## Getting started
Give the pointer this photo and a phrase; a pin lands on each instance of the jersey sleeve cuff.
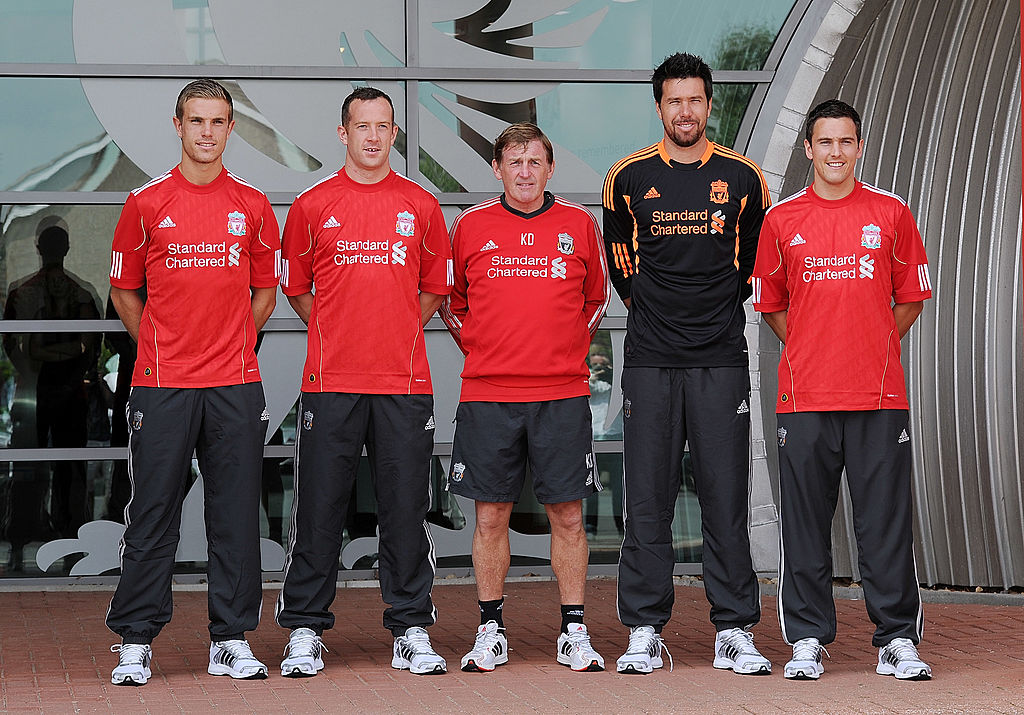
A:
(770, 307)
(293, 291)
(435, 288)
(127, 283)
(912, 297)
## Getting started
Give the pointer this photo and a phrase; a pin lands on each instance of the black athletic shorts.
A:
(495, 441)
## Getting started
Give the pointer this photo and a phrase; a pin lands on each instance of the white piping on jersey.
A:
(153, 182)
(888, 352)
(277, 264)
(595, 318)
(883, 192)
(797, 195)
(156, 352)
(326, 178)
(755, 285)
(116, 263)
(923, 278)
(284, 271)
(243, 182)
(486, 204)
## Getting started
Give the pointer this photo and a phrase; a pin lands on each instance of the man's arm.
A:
(128, 305)
(618, 233)
(906, 314)
(302, 304)
(777, 322)
(429, 303)
(263, 302)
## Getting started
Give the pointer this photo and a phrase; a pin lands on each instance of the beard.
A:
(685, 141)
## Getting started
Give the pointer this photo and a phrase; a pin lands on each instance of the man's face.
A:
(204, 128)
(524, 171)
(834, 151)
(684, 110)
(369, 134)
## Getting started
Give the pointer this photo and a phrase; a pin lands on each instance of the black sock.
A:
(571, 614)
(491, 611)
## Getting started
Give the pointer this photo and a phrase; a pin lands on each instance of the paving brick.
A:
(54, 657)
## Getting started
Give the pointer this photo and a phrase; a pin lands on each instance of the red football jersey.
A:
(529, 293)
(369, 250)
(837, 267)
(197, 249)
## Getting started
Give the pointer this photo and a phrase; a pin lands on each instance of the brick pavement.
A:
(54, 658)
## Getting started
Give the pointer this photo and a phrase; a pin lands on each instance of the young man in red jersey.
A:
(205, 245)
(531, 287)
(681, 219)
(841, 275)
(374, 246)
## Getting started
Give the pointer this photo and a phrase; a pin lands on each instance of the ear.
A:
(177, 127)
(860, 149)
(497, 169)
(807, 150)
(394, 133)
(342, 134)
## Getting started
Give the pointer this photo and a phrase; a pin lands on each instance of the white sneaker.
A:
(235, 658)
(899, 657)
(806, 663)
(575, 651)
(734, 648)
(489, 650)
(132, 664)
(303, 654)
(413, 651)
(644, 652)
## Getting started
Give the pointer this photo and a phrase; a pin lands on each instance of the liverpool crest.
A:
(720, 192)
(871, 236)
(405, 225)
(566, 244)
(236, 223)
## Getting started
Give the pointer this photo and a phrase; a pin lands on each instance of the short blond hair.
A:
(203, 89)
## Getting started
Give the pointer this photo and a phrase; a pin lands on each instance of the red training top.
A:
(369, 249)
(197, 249)
(530, 291)
(837, 267)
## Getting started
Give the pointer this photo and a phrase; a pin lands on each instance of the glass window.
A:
(591, 125)
(589, 34)
(38, 31)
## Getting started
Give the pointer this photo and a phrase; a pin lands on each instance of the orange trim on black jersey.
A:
(618, 166)
(731, 154)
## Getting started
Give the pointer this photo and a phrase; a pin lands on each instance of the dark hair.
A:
(364, 94)
(203, 89)
(681, 65)
(521, 134)
(831, 109)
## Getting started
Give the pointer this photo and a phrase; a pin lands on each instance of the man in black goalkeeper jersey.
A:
(681, 220)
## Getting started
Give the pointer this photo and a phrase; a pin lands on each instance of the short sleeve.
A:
(265, 250)
(436, 255)
(768, 280)
(128, 252)
(297, 252)
(911, 281)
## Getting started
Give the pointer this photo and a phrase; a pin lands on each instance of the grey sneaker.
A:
(132, 664)
(303, 654)
(734, 649)
(490, 649)
(235, 658)
(413, 651)
(575, 650)
(644, 651)
(806, 662)
(899, 658)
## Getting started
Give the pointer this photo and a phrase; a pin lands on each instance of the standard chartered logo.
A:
(398, 253)
(867, 267)
(234, 253)
(838, 268)
(558, 268)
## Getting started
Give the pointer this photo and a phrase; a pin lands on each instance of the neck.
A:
(834, 192)
(199, 174)
(686, 154)
(366, 176)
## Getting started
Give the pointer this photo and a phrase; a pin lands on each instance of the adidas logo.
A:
(652, 193)
(166, 223)
(743, 408)
(797, 240)
(265, 417)
(904, 437)
(430, 424)
(332, 223)
(489, 246)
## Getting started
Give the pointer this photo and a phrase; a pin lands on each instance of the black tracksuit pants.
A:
(398, 432)
(226, 427)
(874, 446)
(663, 409)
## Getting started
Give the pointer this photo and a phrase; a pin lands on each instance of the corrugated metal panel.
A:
(938, 85)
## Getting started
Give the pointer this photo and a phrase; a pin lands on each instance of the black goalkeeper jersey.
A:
(681, 242)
